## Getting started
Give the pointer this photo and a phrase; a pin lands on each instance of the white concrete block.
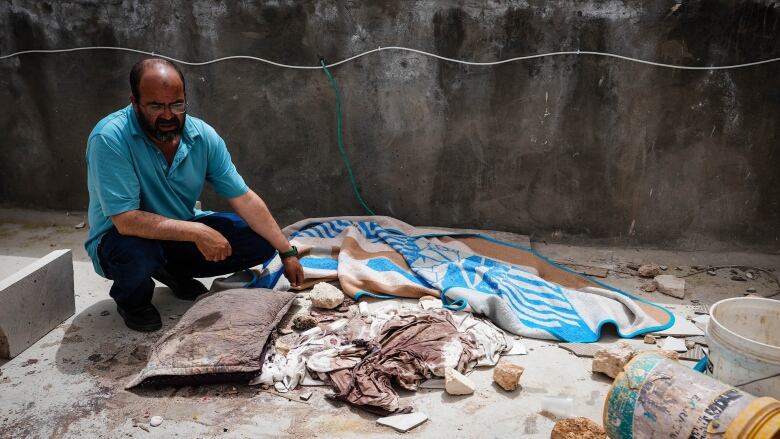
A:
(34, 300)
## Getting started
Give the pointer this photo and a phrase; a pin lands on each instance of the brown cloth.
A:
(407, 351)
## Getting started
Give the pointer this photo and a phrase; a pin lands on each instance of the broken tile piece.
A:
(280, 387)
(507, 375)
(577, 428)
(455, 383)
(582, 349)
(674, 344)
(610, 361)
(432, 384)
(403, 423)
(670, 285)
(517, 349)
(306, 396)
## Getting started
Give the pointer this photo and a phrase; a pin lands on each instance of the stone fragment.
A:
(649, 287)
(282, 348)
(455, 383)
(155, 421)
(649, 339)
(577, 428)
(670, 285)
(750, 275)
(507, 375)
(712, 272)
(689, 344)
(80, 225)
(306, 396)
(663, 267)
(632, 266)
(403, 423)
(280, 387)
(649, 270)
(610, 361)
(738, 278)
(325, 295)
(304, 322)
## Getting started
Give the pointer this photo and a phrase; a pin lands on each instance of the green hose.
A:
(341, 145)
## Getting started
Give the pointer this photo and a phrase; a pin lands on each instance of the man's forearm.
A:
(252, 209)
(152, 226)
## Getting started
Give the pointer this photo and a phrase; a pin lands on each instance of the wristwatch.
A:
(289, 253)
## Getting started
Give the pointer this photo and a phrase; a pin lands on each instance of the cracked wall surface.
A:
(578, 145)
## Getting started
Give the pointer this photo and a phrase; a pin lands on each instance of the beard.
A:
(153, 129)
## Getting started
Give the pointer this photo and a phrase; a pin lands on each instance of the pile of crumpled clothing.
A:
(362, 357)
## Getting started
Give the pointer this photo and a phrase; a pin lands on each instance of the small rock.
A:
(751, 290)
(663, 267)
(282, 348)
(280, 387)
(689, 344)
(750, 275)
(304, 322)
(455, 383)
(649, 339)
(363, 309)
(80, 225)
(507, 375)
(105, 313)
(325, 295)
(155, 421)
(712, 272)
(284, 331)
(306, 396)
(678, 268)
(632, 266)
(738, 278)
(577, 428)
(670, 285)
(610, 361)
(649, 270)
(733, 271)
(403, 423)
(698, 267)
(649, 287)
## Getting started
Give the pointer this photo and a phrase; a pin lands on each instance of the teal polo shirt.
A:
(126, 171)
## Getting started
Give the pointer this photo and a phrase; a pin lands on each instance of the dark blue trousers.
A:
(130, 261)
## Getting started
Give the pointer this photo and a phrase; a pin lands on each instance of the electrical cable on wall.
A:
(332, 81)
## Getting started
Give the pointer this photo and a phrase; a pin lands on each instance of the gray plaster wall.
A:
(576, 145)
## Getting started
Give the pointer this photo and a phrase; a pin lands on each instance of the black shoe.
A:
(183, 288)
(144, 318)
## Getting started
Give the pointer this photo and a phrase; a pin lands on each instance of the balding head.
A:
(158, 69)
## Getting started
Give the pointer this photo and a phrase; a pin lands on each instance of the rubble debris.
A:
(304, 322)
(432, 384)
(363, 309)
(280, 387)
(610, 361)
(674, 344)
(577, 428)
(698, 267)
(507, 375)
(750, 275)
(689, 344)
(455, 383)
(649, 270)
(649, 339)
(403, 423)
(712, 272)
(325, 295)
(632, 266)
(582, 349)
(284, 331)
(80, 225)
(155, 421)
(738, 278)
(306, 396)
(663, 267)
(649, 287)
(282, 348)
(670, 285)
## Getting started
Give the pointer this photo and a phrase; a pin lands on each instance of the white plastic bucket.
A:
(744, 344)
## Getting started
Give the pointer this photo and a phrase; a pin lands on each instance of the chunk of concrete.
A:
(455, 383)
(649, 339)
(577, 428)
(670, 285)
(34, 300)
(325, 295)
(507, 375)
(610, 361)
(403, 423)
(649, 270)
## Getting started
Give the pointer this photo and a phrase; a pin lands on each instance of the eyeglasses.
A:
(176, 107)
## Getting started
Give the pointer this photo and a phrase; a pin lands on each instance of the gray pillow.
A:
(221, 338)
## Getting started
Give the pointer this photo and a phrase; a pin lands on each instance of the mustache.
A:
(173, 121)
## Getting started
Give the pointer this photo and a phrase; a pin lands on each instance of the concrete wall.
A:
(582, 145)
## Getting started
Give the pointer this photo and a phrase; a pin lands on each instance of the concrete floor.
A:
(70, 383)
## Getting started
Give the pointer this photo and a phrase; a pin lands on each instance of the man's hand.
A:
(293, 271)
(213, 245)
